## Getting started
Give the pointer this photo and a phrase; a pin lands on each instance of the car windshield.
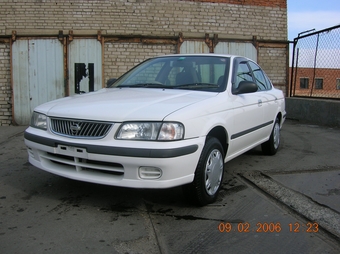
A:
(203, 73)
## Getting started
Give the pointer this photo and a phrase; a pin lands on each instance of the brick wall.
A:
(269, 3)
(120, 57)
(230, 19)
(5, 85)
(147, 17)
(329, 77)
(272, 60)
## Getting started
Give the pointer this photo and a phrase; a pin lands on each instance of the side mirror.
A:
(246, 87)
(110, 82)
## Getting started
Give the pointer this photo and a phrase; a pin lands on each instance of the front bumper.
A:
(117, 163)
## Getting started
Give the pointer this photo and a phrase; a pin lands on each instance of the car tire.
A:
(272, 145)
(208, 175)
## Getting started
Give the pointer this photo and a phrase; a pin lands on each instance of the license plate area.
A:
(72, 151)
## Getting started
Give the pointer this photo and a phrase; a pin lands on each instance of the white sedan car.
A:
(170, 121)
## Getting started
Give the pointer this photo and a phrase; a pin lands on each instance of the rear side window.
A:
(261, 80)
(243, 73)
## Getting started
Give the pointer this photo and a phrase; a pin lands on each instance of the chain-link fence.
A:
(315, 69)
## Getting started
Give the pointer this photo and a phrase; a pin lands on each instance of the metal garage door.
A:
(232, 48)
(85, 65)
(237, 48)
(38, 77)
(192, 47)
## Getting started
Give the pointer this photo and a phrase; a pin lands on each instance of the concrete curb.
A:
(326, 218)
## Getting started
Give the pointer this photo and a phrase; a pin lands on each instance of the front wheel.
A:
(208, 175)
(272, 145)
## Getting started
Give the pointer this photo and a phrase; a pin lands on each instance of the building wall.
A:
(264, 22)
(265, 19)
(331, 81)
(5, 85)
(273, 61)
(120, 57)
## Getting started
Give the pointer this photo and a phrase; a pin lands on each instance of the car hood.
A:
(125, 104)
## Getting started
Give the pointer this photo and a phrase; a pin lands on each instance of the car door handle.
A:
(259, 102)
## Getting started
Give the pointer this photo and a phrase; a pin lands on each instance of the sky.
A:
(304, 15)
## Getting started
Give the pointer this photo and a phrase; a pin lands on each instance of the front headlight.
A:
(39, 121)
(171, 131)
(151, 131)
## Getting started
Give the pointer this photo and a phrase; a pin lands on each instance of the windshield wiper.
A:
(146, 85)
(191, 86)
(196, 86)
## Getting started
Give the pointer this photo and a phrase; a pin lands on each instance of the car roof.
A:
(203, 54)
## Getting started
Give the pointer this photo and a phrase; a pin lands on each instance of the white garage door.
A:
(192, 47)
(229, 48)
(38, 75)
(85, 66)
(237, 48)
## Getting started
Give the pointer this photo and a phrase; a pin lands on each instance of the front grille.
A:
(80, 128)
(84, 165)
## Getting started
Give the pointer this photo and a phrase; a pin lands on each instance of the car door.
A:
(267, 96)
(248, 111)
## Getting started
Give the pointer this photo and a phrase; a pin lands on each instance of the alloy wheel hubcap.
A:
(276, 135)
(213, 172)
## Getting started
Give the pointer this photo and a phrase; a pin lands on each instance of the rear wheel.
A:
(208, 175)
(272, 145)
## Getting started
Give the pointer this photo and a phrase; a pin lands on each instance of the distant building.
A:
(317, 82)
